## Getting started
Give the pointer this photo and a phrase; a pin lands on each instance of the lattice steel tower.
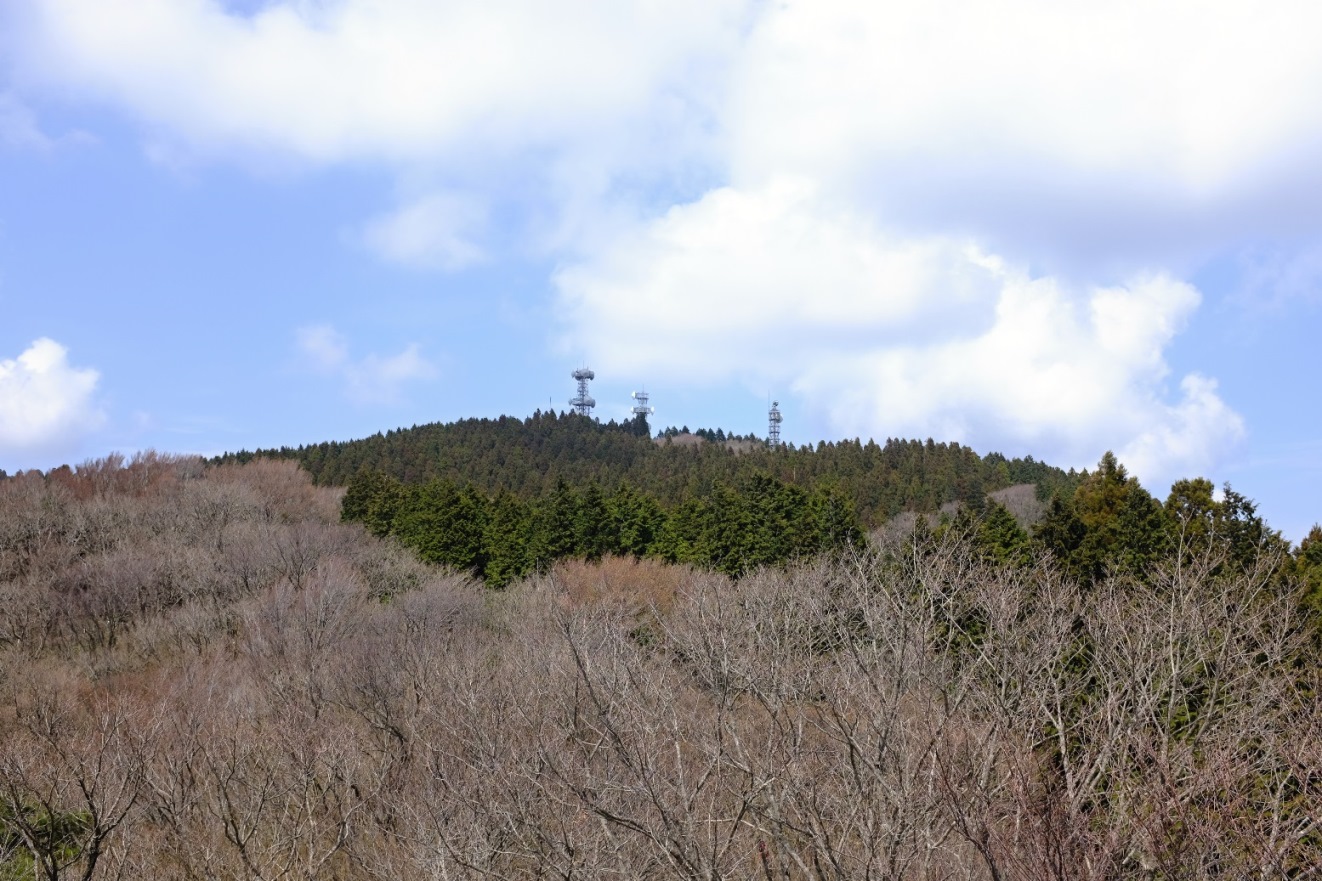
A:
(583, 402)
(773, 425)
(640, 407)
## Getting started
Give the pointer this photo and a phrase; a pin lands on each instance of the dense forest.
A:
(228, 670)
(758, 522)
(527, 458)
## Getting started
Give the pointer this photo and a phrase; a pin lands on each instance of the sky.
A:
(1032, 227)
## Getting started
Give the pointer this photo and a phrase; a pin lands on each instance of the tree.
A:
(444, 524)
(1112, 525)
(636, 521)
(1308, 563)
(834, 520)
(505, 540)
(373, 499)
(1000, 537)
(554, 522)
(593, 536)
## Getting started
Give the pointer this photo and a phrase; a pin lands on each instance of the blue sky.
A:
(1023, 226)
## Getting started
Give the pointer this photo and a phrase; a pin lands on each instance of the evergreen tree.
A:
(1060, 532)
(636, 521)
(1308, 566)
(506, 540)
(682, 533)
(555, 517)
(593, 534)
(444, 524)
(1228, 528)
(834, 521)
(373, 499)
(1124, 526)
(726, 540)
(1001, 539)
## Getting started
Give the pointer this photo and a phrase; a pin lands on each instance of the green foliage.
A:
(1124, 525)
(1308, 566)
(39, 842)
(1000, 538)
(760, 522)
(529, 457)
(373, 499)
(1228, 528)
(444, 524)
(1112, 526)
(505, 540)
(636, 521)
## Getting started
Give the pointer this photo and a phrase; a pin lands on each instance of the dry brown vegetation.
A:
(204, 676)
(1022, 501)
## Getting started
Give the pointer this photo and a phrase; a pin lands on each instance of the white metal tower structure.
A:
(773, 425)
(583, 402)
(640, 407)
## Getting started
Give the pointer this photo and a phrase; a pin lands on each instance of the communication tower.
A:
(583, 402)
(640, 407)
(773, 425)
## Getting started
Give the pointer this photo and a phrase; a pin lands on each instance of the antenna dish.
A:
(583, 402)
(641, 408)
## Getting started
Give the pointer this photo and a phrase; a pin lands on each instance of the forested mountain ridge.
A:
(502, 498)
(528, 457)
(204, 673)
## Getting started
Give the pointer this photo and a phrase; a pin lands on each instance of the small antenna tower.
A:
(583, 402)
(773, 425)
(640, 407)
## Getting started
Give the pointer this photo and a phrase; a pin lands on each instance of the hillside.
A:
(205, 674)
(528, 457)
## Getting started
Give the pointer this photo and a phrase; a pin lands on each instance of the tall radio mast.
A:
(640, 407)
(583, 402)
(773, 425)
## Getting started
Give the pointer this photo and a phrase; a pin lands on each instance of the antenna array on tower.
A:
(640, 407)
(773, 425)
(583, 402)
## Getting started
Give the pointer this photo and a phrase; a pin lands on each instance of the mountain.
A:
(528, 457)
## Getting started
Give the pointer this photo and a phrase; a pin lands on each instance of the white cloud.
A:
(1043, 125)
(874, 180)
(393, 78)
(1130, 134)
(895, 336)
(325, 348)
(430, 232)
(46, 404)
(372, 379)
(1187, 436)
(720, 284)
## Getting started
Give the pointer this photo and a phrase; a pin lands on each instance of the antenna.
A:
(773, 425)
(583, 402)
(640, 408)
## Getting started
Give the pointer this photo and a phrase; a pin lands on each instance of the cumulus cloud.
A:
(1081, 138)
(969, 221)
(431, 232)
(396, 78)
(372, 379)
(46, 404)
(1129, 128)
(897, 336)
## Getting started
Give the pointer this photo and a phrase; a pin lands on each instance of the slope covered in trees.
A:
(527, 458)
(759, 521)
(204, 674)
